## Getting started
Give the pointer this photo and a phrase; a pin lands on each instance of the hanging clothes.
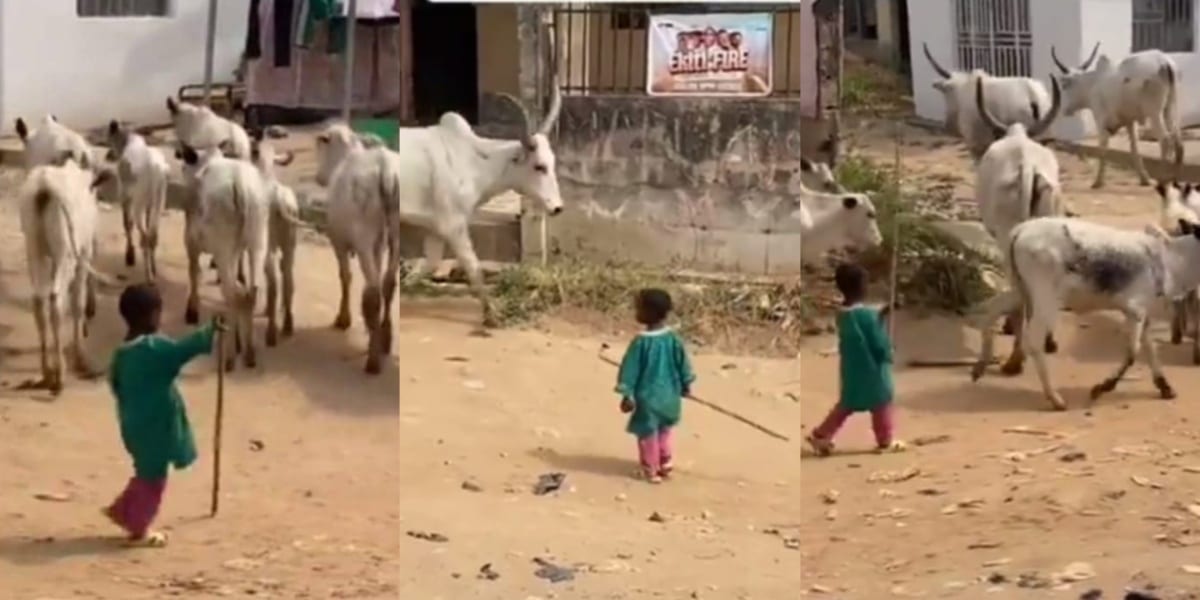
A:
(316, 14)
(253, 47)
(283, 25)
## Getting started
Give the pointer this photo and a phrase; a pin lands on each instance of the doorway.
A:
(445, 61)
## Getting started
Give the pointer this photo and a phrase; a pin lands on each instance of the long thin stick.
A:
(209, 42)
(722, 410)
(895, 242)
(216, 480)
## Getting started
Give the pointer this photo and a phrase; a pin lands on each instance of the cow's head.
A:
(118, 138)
(950, 85)
(194, 161)
(1079, 83)
(860, 229)
(532, 170)
(816, 175)
(46, 144)
(1036, 130)
(333, 145)
(186, 117)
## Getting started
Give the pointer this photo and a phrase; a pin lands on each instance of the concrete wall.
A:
(87, 71)
(700, 182)
(499, 58)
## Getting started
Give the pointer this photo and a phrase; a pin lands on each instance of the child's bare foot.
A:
(821, 446)
(152, 539)
(894, 446)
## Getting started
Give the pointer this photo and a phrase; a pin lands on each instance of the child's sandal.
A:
(152, 539)
(821, 447)
(895, 446)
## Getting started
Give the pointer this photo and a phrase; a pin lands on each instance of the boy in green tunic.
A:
(865, 369)
(654, 376)
(152, 415)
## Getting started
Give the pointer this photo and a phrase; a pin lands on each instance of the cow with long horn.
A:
(1141, 88)
(1016, 180)
(1010, 99)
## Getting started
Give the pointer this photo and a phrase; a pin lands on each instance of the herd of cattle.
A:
(246, 219)
(1053, 259)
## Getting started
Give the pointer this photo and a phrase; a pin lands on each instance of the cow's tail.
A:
(389, 198)
(1027, 192)
(1170, 76)
(45, 200)
(1014, 273)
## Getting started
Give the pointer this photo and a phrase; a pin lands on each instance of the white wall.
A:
(930, 22)
(87, 71)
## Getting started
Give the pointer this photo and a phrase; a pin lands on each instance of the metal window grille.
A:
(603, 47)
(994, 35)
(1166, 25)
(123, 8)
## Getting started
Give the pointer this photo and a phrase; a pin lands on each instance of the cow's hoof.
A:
(191, 316)
(342, 321)
(288, 329)
(1196, 356)
(1102, 388)
(1097, 184)
(1144, 182)
(272, 336)
(385, 338)
(1007, 328)
(1057, 402)
(374, 365)
(230, 364)
(1051, 346)
(250, 361)
(978, 370)
(129, 260)
(1012, 368)
(1165, 391)
(1176, 337)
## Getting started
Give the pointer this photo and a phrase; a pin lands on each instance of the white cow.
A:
(1016, 180)
(144, 174)
(1179, 208)
(815, 175)
(46, 144)
(202, 129)
(58, 214)
(228, 218)
(283, 232)
(1010, 99)
(1057, 261)
(1142, 87)
(831, 221)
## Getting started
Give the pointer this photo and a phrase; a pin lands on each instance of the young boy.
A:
(655, 374)
(865, 369)
(153, 417)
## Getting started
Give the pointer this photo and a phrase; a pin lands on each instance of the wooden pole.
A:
(216, 480)
(209, 43)
(348, 76)
(898, 135)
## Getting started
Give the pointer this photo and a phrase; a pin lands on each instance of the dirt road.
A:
(1113, 486)
(310, 445)
(481, 419)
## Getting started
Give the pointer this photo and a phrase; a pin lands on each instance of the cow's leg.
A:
(1010, 323)
(435, 251)
(39, 316)
(1139, 165)
(192, 315)
(271, 277)
(1178, 320)
(287, 264)
(1043, 309)
(1166, 140)
(1102, 143)
(1051, 346)
(368, 262)
(55, 382)
(127, 222)
(1191, 315)
(342, 254)
(1134, 325)
(390, 282)
(1004, 303)
(1160, 380)
(460, 243)
(1015, 364)
(89, 308)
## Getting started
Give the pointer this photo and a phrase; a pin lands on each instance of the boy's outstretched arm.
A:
(176, 353)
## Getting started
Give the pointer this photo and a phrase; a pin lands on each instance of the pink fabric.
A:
(314, 79)
(882, 423)
(654, 451)
(137, 505)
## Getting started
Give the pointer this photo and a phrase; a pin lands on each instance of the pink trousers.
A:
(137, 505)
(654, 451)
(882, 422)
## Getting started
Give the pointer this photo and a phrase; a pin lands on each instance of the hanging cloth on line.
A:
(331, 14)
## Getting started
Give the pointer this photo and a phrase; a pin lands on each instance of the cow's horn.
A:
(1058, 63)
(1087, 64)
(981, 107)
(1055, 103)
(933, 63)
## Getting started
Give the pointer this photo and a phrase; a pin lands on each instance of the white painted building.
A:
(87, 61)
(1013, 37)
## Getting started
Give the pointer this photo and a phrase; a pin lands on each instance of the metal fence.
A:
(1166, 25)
(603, 47)
(994, 35)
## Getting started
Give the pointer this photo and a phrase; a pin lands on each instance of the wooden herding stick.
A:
(724, 411)
(216, 480)
(895, 240)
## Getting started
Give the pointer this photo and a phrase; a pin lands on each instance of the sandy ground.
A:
(494, 414)
(310, 475)
(997, 513)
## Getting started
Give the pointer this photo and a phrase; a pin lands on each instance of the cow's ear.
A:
(189, 156)
(849, 202)
(22, 129)
(1161, 188)
(1185, 227)
(807, 166)
(1196, 230)
(101, 178)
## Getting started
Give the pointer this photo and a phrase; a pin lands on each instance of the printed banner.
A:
(715, 54)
